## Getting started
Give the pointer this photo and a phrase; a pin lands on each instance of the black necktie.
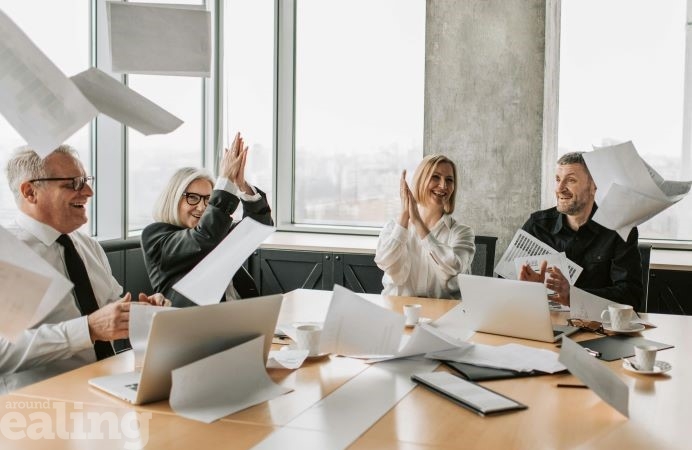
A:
(82, 290)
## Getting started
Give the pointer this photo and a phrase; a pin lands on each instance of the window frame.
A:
(551, 113)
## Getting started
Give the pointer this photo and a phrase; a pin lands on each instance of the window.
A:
(622, 77)
(152, 160)
(359, 87)
(248, 86)
(68, 48)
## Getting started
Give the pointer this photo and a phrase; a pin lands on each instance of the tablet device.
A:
(472, 396)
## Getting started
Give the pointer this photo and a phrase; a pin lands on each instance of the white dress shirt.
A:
(425, 267)
(61, 341)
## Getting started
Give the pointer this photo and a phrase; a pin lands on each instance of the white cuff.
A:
(225, 184)
(77, 331)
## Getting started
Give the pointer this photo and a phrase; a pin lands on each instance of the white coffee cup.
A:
(308, 338)
(619, 316)
(412, 314)
(645, 357)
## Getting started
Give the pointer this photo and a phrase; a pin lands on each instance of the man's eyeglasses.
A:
(193, 199)
(587, 325)
(78, 183)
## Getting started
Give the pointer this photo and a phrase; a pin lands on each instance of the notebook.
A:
(509, 308)
(182, 336)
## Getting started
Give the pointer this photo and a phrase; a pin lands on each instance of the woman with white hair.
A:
(193, 215)
(423, 251)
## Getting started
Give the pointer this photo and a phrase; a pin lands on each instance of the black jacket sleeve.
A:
(171, 251)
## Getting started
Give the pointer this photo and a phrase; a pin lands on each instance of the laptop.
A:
(509, 308)
(182, 336)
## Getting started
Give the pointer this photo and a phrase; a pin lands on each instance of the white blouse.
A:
(425, 267)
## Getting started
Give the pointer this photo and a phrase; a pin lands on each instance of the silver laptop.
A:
(509, 308)
(182, 336)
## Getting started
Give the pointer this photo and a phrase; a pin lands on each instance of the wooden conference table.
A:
(660, 406)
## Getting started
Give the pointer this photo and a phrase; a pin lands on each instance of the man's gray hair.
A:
(26, 164)
(166, 207)
(572, 158)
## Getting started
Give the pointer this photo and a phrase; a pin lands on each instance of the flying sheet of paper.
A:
(515, 357)
(587, 306)
(36, 98)
(522, 245)
(453, 323)
(141, 317)
(159, 39)
(356, 327)
(21, 293)
(286, 358)
(596, 375)
(424, 339)
(27, 271)
(207, 281)
(630, 192)
(234, 379)
(121, 103)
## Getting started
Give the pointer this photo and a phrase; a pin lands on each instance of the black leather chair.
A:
(645, 253)
(484, 259)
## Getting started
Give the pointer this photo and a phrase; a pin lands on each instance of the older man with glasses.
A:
(52, 195)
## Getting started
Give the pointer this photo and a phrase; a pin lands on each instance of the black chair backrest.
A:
(484, 259)
(645, 253)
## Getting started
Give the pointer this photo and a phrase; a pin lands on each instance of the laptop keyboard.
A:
(132, 386)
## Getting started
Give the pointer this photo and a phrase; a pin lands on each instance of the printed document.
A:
(524, 245)
(630, 192)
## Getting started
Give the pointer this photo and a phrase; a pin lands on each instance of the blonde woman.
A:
(193, 216)
(423, 251)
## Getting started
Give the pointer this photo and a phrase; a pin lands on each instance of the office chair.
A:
(484, 260)
(645, 253)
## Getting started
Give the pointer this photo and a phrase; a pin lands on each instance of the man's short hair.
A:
(573, 158)
(166, 207)
(26, 164)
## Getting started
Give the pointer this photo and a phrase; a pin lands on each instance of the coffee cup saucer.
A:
(634, 328)
(660, 367)
(420, 320)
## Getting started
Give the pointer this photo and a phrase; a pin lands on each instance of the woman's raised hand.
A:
(233, 163)
(404, 194)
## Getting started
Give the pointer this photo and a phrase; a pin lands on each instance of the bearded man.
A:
(612, 267)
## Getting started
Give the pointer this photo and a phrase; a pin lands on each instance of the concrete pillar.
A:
(484, 103)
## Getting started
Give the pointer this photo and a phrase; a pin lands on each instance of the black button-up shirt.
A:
(612, 267)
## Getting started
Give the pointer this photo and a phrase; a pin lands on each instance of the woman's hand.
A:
(404, 193)
(233, 164)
